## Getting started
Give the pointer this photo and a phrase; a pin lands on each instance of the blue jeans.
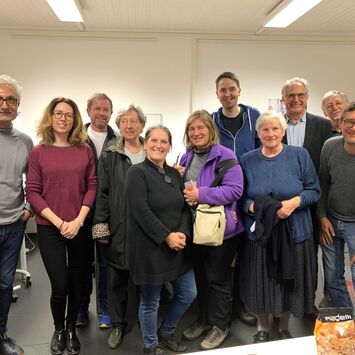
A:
(184, 293)
(333, 262)
(11, 237)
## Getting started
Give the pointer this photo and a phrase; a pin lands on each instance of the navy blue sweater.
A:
(291, 173)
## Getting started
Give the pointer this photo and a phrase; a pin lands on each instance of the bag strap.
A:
(221, 169)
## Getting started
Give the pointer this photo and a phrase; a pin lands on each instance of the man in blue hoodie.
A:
(235, 122)
(236, 126)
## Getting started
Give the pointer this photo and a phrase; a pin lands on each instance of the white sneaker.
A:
(195, 331)
(214, 338)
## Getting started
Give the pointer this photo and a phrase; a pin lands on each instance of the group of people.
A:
(88, 183)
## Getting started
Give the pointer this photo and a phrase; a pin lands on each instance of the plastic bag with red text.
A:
(335, 331)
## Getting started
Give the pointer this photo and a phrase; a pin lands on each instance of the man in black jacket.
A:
(305, 130)
(101, 135)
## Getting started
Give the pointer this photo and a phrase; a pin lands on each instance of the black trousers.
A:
(117, 292)
(237, 300)
(316, 236)
(65, 261)
(213, 273)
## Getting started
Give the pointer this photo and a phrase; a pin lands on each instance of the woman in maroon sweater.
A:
(61, 187)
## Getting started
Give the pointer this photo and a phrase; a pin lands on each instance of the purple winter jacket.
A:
(229, 191)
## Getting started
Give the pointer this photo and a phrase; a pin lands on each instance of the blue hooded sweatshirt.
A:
(246, 138)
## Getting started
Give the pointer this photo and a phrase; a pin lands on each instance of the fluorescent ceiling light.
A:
(290, 13)
(66, 10)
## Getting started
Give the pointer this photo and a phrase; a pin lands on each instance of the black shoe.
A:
(261, 336)
(157, 350)
(58, 342)
(284, 334)
(169, 342)
(72, 342)
(8, 346)
(246, 317)
(115, 338)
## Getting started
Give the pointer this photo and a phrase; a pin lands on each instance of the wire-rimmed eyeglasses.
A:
(300, 95)
(166, 177)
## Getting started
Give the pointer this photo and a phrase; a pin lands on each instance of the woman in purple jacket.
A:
(213, 270)
(61, 187)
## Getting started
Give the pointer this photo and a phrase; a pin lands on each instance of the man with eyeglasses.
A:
(306, 130)
(336, 208)
(101, 135)
(303, 128)
(15, 147)
(333, 104)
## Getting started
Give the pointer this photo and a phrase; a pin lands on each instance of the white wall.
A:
(163, 74)
(264, 67)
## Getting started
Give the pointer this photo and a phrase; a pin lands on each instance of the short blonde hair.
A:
(206, 118)
(76, 135)
(268, 116)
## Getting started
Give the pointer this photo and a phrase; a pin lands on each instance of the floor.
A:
(30, 321)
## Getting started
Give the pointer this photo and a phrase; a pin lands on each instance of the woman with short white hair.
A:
(280, 184)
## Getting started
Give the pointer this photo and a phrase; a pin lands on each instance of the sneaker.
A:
(115, 338)
(82, 319)
(214, 338)
(104, 320)
(8, 346)
(157, 350)
(195, 331)
(169, 342)
(246, 317)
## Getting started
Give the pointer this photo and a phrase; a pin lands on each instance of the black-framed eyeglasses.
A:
(67, 115)
(166, 177)
(348, 123)
(10, 100)
(300, 95)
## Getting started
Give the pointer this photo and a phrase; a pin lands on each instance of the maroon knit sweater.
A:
(61, 178)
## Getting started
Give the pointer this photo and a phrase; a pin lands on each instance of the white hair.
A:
(7, 80)
(270, 116)
(295, 81)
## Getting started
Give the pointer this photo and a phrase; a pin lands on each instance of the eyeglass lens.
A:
(10, 100)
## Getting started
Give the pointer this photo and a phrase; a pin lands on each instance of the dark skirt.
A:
(263, 294)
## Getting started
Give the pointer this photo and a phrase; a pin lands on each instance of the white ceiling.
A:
(329, 20)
